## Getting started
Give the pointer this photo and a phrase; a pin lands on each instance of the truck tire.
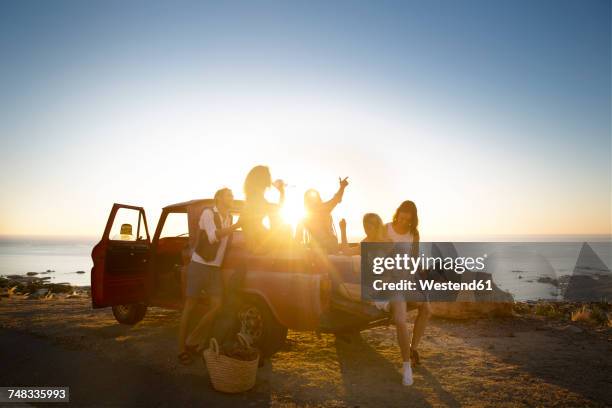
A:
(259, 325)
(129, 314)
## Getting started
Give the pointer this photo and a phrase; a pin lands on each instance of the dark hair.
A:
(409, 207)
(220, 192)
(256, 182)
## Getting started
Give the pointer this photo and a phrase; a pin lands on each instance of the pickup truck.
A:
(297, 290)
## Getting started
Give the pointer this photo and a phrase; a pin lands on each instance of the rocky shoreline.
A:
(33, 286)
(588, 314)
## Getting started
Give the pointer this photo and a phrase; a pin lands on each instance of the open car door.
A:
(121, 259)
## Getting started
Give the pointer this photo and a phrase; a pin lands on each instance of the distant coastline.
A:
(93, 239)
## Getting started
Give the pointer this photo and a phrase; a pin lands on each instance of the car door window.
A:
(128, 225)
(175, 225)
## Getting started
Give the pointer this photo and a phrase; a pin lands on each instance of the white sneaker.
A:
(407, 374)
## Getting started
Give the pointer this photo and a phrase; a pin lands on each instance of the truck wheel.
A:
(259, 324)
(129, 314)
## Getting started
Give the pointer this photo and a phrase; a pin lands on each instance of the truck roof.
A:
(205, 202)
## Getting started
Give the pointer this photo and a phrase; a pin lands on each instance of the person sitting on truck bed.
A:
(258, 238)
(374, 229)
(349, 280)
(317, 225)
(215, 230)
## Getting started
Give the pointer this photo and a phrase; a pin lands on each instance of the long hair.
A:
(373, 218)
(256, 182)
(311, 199)
(409, 207)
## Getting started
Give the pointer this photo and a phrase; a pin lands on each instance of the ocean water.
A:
(63, 256)
(526, 259)
(535, 270)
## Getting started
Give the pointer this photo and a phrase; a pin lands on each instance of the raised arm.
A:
(337, 198)
(343, 239)
(344, 246)
(280, 186)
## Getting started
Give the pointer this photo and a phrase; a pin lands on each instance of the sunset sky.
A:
(493, 116)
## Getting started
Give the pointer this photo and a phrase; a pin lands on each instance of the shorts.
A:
(203, 277)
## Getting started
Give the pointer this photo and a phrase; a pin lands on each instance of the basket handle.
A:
(214, 346)
(243, 340)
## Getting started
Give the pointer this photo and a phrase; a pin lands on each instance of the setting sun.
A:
(292, 213)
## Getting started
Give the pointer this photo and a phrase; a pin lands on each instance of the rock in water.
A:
(549, 280)
(591, 280)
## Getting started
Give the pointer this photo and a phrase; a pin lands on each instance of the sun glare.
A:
(292, 212)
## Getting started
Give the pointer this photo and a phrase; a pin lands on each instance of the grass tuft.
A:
(582, 315)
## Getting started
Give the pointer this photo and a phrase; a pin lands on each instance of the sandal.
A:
(185, 358)
(193, 350)
(414, 357)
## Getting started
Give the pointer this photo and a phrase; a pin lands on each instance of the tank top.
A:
(395, 237)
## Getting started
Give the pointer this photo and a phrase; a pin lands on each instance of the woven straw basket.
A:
(229, 374)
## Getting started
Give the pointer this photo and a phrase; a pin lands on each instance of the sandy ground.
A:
(523, 361)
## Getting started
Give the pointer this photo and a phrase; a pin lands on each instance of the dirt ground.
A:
(522, 361)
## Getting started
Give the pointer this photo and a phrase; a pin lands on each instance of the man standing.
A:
(204, 271)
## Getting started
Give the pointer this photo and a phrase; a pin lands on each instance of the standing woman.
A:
(404, 228)
(258, 237)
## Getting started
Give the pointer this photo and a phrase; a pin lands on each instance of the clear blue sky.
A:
(494, 116)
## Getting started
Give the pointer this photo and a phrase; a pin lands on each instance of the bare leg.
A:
(197, 335)
(419, 324)
(398, 310)
(190, 304)
(403, 339)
